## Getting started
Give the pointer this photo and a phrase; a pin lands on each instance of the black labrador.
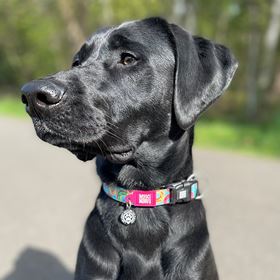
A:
(131, 100)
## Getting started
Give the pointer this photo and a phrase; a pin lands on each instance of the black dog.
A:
(131, 99)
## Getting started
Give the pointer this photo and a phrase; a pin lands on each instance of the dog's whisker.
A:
(99, 148)
(110, 120)
(106, 146)
(114, 135)
(112, 125)
(113, 130)
(105, 101)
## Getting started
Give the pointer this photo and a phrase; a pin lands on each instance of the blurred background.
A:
(39, 37)
(45, 193)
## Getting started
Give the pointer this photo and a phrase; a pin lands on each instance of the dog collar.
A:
(183, 191)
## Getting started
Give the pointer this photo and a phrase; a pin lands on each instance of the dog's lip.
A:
(120, 156)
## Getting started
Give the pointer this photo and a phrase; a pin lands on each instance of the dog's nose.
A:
(42, 94)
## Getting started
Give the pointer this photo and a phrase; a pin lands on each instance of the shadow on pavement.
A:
(34, 264)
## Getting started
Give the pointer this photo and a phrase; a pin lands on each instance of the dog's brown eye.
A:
(127, 58)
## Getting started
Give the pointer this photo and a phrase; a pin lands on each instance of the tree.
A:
(74, 30)
(184, 14)
(254, 39)
(271, 40)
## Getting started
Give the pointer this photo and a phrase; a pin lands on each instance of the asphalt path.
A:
(46, 195)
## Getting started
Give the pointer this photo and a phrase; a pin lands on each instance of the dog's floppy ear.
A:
(203, 71)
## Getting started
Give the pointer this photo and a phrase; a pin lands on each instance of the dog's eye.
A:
(127, 58)
(76, 62)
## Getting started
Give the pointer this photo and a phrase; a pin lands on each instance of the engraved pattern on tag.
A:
(128, 217)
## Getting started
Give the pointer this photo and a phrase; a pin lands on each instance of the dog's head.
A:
(129, 86)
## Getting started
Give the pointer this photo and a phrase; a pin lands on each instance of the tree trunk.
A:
(75, 32)
(271, 41)
(274, 97)
(184, 13)
(252, 63)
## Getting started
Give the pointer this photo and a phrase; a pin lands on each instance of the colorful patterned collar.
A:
(183, 191)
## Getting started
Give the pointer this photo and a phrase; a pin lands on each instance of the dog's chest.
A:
(146, 235)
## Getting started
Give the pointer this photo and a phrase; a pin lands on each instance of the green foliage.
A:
(33, 33)
(28, 47)
(34, 40)
(135, 9)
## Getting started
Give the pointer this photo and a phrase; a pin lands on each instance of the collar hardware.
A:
(184, 191)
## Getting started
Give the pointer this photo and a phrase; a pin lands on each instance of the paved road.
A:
(46, 194)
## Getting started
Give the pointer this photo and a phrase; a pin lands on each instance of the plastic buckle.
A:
(181, 192)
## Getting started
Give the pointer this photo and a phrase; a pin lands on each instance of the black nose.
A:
(42, 94)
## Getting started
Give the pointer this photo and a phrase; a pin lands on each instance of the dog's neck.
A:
(156, 163)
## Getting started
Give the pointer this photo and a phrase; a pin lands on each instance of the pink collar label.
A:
(142, 198)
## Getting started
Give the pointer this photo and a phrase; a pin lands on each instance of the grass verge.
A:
(247, 138)
(11, 106)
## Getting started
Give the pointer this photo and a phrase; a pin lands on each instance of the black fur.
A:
(137, 119)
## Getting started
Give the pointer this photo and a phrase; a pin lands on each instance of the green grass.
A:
(247, 138)
(10, 106)
(241, 137)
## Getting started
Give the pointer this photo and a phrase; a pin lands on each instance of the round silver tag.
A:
(128, 217)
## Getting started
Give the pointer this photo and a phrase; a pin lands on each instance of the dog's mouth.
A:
(119, 156)
(83, 154)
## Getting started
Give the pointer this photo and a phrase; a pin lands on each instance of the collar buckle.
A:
(183, 191)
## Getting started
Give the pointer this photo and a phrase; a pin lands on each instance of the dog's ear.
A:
(203, 71)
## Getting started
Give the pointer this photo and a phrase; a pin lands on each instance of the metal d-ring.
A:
(128, 204)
